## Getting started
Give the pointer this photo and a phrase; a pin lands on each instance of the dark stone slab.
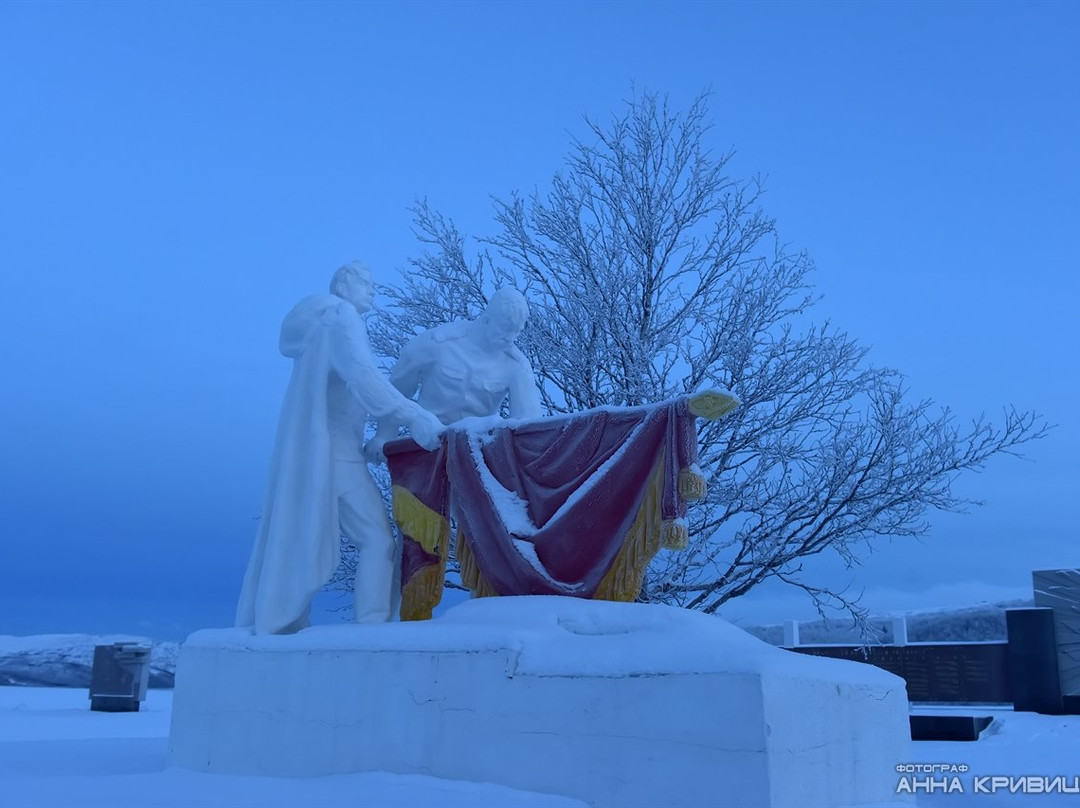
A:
(1033, 661)
(948, 727)
(119, 677)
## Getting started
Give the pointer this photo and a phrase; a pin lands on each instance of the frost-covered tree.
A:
(651, 272)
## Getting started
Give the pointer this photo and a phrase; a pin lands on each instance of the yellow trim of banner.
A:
(471, 576)
(423, 591)
(416, 520)
(623, 581)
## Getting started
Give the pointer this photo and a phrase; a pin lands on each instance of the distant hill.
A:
(65, 660)
(982, 623)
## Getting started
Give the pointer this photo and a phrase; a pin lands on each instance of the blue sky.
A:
(176, 175)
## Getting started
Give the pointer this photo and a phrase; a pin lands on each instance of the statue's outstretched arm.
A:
(351, 357)
(405, 377)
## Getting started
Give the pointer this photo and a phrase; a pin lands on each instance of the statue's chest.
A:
(473, 372)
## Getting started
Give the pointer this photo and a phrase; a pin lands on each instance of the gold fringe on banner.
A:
(423, 591)
(623, 581)
(471, 577)
(691, 485)
(417, 521)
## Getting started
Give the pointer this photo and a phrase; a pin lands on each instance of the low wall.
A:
(936, 672)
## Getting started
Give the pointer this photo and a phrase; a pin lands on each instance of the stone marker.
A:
(1033, 674)
(119, 677)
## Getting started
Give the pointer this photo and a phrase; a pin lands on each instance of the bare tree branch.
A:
(650, 273)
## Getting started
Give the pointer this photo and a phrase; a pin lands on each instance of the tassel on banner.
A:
(675, 535)
(692, 485)
(712, 404)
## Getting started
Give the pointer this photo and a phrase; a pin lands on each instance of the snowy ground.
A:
(54, 752)
(1015, 745)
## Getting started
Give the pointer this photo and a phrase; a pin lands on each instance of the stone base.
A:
(615, 704)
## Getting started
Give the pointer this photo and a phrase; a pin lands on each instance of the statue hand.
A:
(373, 451)
(426, 430)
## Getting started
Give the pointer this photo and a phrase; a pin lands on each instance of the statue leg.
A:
(365, 523)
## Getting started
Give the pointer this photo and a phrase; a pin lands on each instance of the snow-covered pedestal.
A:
(615, 704)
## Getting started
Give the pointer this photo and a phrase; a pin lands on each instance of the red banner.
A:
(571, 505)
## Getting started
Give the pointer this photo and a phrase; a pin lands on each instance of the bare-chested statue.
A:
(467, 368)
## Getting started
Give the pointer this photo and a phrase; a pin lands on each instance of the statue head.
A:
(353, 282)
(504, 317)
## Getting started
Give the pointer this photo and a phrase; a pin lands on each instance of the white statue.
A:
(467, 368)
(320, 487)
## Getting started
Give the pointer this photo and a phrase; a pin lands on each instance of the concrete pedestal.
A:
(615, 704)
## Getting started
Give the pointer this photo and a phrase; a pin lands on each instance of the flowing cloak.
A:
(297, 547)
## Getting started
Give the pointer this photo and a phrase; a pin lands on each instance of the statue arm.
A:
(351, 358)
(405, 377)
(414, 358)
(524, 394)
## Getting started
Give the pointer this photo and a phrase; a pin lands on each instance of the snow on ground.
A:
(56, 753)
(1014, 746)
